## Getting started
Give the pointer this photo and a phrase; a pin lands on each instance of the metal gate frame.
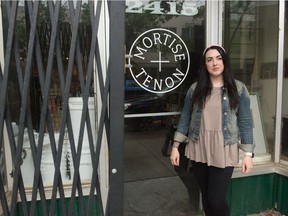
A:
(117, 69)
(111, 117)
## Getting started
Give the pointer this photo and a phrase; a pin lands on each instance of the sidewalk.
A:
(151, 185)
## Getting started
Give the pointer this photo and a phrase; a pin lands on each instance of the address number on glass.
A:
(174, 8)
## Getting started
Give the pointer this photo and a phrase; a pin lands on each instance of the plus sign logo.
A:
(159, 60)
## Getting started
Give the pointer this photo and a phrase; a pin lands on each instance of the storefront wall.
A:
(254, 35)
(251, 32)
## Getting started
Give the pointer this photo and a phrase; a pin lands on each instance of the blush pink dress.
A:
(210, 146)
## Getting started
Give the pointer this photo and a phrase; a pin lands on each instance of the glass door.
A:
(164, 43)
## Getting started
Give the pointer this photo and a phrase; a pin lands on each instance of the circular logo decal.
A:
(159, 60)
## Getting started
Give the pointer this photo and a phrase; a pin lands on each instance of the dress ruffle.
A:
(210, 146)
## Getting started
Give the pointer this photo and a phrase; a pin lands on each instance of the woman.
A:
(215, 122)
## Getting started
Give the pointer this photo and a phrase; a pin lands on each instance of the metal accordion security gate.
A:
(61, 107)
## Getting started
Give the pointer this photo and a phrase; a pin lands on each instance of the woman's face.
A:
(214, 63)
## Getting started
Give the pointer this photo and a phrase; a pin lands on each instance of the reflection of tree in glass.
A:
(237, 11)
(44, 15)
(44, 28)
(138, 23)
(85, 14)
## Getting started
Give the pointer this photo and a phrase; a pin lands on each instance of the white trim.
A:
(278, 124)
(151, 114)
(214, 10)
(268, 168)
(262, 164)
(103, 35)
(257, 170)
(281, 169)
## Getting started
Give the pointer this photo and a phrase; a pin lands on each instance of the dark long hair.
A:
(204, 85)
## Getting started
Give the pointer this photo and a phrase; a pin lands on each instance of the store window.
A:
(164, 41)
(284, 138)
(175, 24)
(62, 70)
(248, 38)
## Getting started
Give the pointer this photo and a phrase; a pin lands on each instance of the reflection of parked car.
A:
(146, 104)
(140, 101)
(143, 102)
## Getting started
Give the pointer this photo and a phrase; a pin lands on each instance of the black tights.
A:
(213, 183)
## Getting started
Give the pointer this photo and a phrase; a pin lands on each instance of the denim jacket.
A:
(236, 124)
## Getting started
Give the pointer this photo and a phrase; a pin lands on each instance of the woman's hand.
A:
(175, 156)
(247, 164)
